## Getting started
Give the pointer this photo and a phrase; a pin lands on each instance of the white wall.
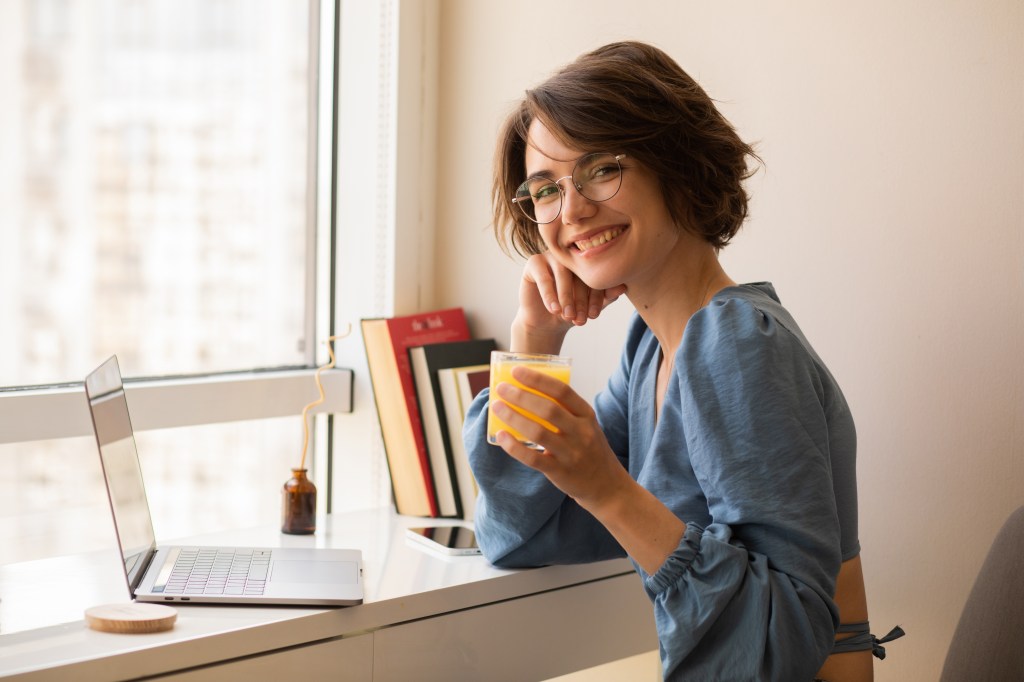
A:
(890, 219)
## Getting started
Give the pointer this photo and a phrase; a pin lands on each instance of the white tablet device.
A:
(452, 540)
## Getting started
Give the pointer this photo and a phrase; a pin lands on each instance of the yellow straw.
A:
(320, 388)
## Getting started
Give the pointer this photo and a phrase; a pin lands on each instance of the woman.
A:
(721, 456)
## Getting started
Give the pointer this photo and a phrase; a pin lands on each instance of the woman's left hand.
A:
(577, 459)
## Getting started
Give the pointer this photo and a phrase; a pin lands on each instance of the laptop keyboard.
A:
(214, 570)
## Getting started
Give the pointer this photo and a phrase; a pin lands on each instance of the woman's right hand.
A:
(552, 299)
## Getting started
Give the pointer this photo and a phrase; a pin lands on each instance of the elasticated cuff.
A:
(678, 562)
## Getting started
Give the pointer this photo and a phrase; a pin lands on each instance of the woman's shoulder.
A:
(758, 295)
(740, 303)
(745, 312)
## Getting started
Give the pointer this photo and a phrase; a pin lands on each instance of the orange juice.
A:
(501, 371)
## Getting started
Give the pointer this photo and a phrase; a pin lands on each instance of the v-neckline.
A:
(659, 396)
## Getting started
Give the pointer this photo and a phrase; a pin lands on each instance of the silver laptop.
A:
(231, 575)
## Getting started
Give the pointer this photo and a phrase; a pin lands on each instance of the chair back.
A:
(989, 640)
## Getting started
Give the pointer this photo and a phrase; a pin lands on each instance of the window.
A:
(161, 154)
(163, 176)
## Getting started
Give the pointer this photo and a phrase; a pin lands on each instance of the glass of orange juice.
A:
(502, 363)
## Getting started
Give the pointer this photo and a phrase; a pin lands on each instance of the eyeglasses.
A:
(596, 177)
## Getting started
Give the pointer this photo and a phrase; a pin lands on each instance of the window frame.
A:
(61, 411)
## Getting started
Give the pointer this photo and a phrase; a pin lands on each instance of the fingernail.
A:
(553, 306)
(569, 312)
(595, 310)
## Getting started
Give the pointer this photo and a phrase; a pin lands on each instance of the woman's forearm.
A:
(641, 523)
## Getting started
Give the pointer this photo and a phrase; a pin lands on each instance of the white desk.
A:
(426, 616)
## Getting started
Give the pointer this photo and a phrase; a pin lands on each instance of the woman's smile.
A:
(594, 241)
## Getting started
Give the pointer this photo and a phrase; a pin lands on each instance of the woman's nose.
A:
(575, 206)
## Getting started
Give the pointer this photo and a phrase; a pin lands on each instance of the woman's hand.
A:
(577, 459)
(552, 299)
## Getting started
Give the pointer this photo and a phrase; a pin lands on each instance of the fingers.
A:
(602, 298)
(566, 282)
(547, 386)
(572, 296)
(564, 294)
(611, 295)
(527, 412)
(543, 277)
(543, 395)
(533, 413)
(525, 425)
(531, 457)
(581, 305)
(595, 303)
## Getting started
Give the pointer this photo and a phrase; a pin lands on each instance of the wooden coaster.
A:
(131, 618)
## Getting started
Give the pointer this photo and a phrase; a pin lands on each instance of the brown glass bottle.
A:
(298, 505)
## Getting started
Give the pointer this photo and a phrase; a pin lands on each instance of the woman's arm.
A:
(521, 518)
(851, 598)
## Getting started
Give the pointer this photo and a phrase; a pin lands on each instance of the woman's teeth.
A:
(603, 238)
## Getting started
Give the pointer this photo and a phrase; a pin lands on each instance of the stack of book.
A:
(425, 370)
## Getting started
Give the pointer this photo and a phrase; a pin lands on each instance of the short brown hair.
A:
(631, 98)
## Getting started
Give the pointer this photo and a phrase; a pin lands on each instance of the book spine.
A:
(460, 457)
(417, 330)
(410, 495)
(444, 485)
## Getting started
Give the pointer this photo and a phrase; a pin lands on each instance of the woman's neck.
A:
(684, 286)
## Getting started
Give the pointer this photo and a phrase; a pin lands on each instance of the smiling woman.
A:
(721, 457)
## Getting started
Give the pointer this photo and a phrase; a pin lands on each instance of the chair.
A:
(988, 644)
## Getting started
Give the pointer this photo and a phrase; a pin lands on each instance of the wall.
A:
(890, 219)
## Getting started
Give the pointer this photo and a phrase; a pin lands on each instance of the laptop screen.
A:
(121, 469)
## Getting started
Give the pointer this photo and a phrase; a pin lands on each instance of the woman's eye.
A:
(545, 193)
(603, 172)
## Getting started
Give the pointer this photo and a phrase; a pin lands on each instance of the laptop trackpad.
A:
(313, 572)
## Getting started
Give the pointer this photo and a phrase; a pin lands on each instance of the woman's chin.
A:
(598, 282)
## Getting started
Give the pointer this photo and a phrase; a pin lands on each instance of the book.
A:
(387, 342)
(471, 381)
(426, 361)
(455, 414)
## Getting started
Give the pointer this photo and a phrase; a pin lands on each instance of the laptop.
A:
(202, 575)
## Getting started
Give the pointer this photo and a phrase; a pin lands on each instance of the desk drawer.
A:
(530, 638)
(344, 660)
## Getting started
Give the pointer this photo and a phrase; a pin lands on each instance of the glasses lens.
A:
(598, 176)
(539, 199)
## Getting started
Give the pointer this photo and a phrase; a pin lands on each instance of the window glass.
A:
(52, 500)
(155, 156)
(200, 479)
(232, 477)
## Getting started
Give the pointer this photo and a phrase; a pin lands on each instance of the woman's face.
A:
(627, 239)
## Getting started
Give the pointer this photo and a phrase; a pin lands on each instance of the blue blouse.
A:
(754, 449)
